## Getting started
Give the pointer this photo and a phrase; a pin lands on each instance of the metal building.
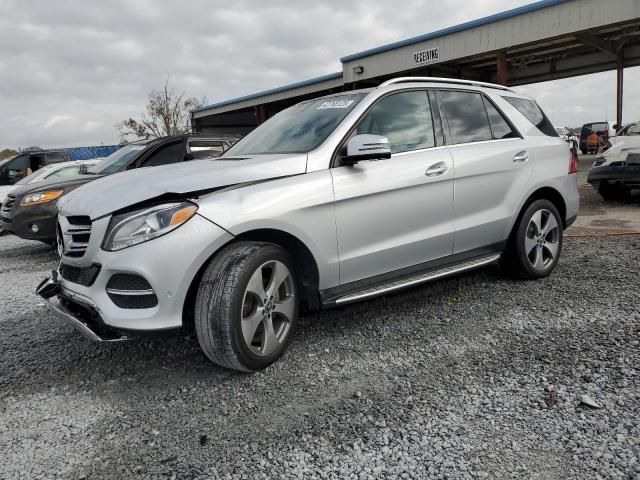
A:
(546, 40)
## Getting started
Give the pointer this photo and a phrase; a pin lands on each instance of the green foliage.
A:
(7, 152)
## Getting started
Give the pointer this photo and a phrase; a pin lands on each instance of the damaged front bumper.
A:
(80, 314)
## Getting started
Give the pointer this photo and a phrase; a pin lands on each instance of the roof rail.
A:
(457, 81)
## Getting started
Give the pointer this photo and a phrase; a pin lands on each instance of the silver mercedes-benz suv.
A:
(334, 200)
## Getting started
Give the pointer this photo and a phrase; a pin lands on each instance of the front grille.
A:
(81, 275)
(8, 203)
(76, 232)
(127, 290)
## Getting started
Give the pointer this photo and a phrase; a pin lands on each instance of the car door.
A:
(492, 168)
(395, 213)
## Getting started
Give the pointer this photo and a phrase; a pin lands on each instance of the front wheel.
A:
(536, 243)
(247, 306)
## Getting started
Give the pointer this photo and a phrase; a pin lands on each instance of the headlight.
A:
(40, 198)
(132, 228)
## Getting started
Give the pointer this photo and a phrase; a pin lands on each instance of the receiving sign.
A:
(426, 56)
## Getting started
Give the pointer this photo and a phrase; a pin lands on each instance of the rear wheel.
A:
(611, 192)
(536, 243)
(246, 307)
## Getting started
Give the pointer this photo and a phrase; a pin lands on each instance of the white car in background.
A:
(55, 170)
(616, 171)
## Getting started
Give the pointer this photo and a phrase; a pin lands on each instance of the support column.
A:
(261, 114)
(501, 68)
(619, 88)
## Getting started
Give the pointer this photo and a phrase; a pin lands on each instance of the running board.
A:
(418, 279)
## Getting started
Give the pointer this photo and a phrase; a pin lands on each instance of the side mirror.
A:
(366, 147)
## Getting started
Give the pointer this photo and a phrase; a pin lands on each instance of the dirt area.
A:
(599, 216)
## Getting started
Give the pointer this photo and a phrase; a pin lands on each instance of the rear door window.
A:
(467, 118)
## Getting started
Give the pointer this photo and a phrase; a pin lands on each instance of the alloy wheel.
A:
(268, 308)
(542, 240)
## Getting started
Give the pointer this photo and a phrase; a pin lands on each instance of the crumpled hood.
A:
(121, 190)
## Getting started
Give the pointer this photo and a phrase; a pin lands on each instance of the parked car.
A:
(569, 137)
(617, 171)
(14, 169)
(30, 212)
(623, 131)
(605, 131)
(55, 170)
(334, 200)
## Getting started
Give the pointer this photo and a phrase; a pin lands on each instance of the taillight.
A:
(573, 162)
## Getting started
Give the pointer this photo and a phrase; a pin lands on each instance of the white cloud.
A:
(70, 70)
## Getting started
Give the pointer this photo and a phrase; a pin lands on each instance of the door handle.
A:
(435, 170)
(522, 156)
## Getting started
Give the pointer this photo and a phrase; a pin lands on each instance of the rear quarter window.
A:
(534, 114)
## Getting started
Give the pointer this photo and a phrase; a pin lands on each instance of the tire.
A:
(611, 192)
(536, 242)
(228, 307)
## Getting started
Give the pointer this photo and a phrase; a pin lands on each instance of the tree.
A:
(7, 152)
(167, 113)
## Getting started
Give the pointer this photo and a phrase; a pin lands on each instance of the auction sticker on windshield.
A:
(335, 104)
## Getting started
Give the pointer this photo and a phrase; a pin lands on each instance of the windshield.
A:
(635, 130)
(114, 162)
(298, 129)
(6, 160)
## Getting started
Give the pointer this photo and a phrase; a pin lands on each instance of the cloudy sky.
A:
(71, 70)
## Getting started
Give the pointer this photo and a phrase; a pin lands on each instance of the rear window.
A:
(600, 127)
(57, 157)
(534, 114)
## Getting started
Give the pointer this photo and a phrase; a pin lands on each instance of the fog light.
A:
(34, 228)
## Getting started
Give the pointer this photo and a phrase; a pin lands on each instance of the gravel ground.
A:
(472, 377)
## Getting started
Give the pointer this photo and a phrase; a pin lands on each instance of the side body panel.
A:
(488, 183)
(301, 205)
(391, 215)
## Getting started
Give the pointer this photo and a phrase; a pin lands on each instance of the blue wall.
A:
(87, 153)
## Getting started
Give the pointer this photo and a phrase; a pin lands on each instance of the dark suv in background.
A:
(30, 212)
(15, 168)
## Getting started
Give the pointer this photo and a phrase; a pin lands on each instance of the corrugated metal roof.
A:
(291, 86)
(456, 28)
